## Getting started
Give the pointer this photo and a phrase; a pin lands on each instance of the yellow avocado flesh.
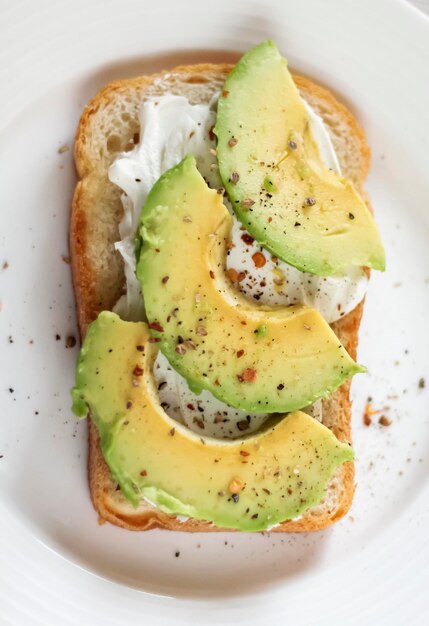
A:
(252, 357)
(250, 484)
(270, 165)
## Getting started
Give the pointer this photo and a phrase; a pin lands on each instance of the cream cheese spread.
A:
(172, 127)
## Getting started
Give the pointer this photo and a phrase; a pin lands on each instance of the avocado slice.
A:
(280, 190)
(249, 484)
(254, 358)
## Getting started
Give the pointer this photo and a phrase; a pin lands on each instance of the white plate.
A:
(371, 568)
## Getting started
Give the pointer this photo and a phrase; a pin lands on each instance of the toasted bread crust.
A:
(92, 296)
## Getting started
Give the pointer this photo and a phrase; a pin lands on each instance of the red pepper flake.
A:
(232, 142)
(191, 407)
(156, 326)
(368, 412)
(225, 93)
(270, 219)
(244, 453)
(211, 274)
(129, 404)
(247, 376)
(247, 239)
(234, 276)
(140, 348)
(138, 371)
(217, 383)
(259, 259)
(154, 339)
(143, 473)
(240, 354)
(211, 134)
(384, 421)
(236, 485)
(172, 432)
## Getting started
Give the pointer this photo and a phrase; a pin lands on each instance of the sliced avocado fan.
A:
(249, 484)
(280, 190)
(254, 358)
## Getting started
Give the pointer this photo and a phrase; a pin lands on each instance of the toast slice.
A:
(109, 125)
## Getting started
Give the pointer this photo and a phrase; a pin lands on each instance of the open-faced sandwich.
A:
(221, 245)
